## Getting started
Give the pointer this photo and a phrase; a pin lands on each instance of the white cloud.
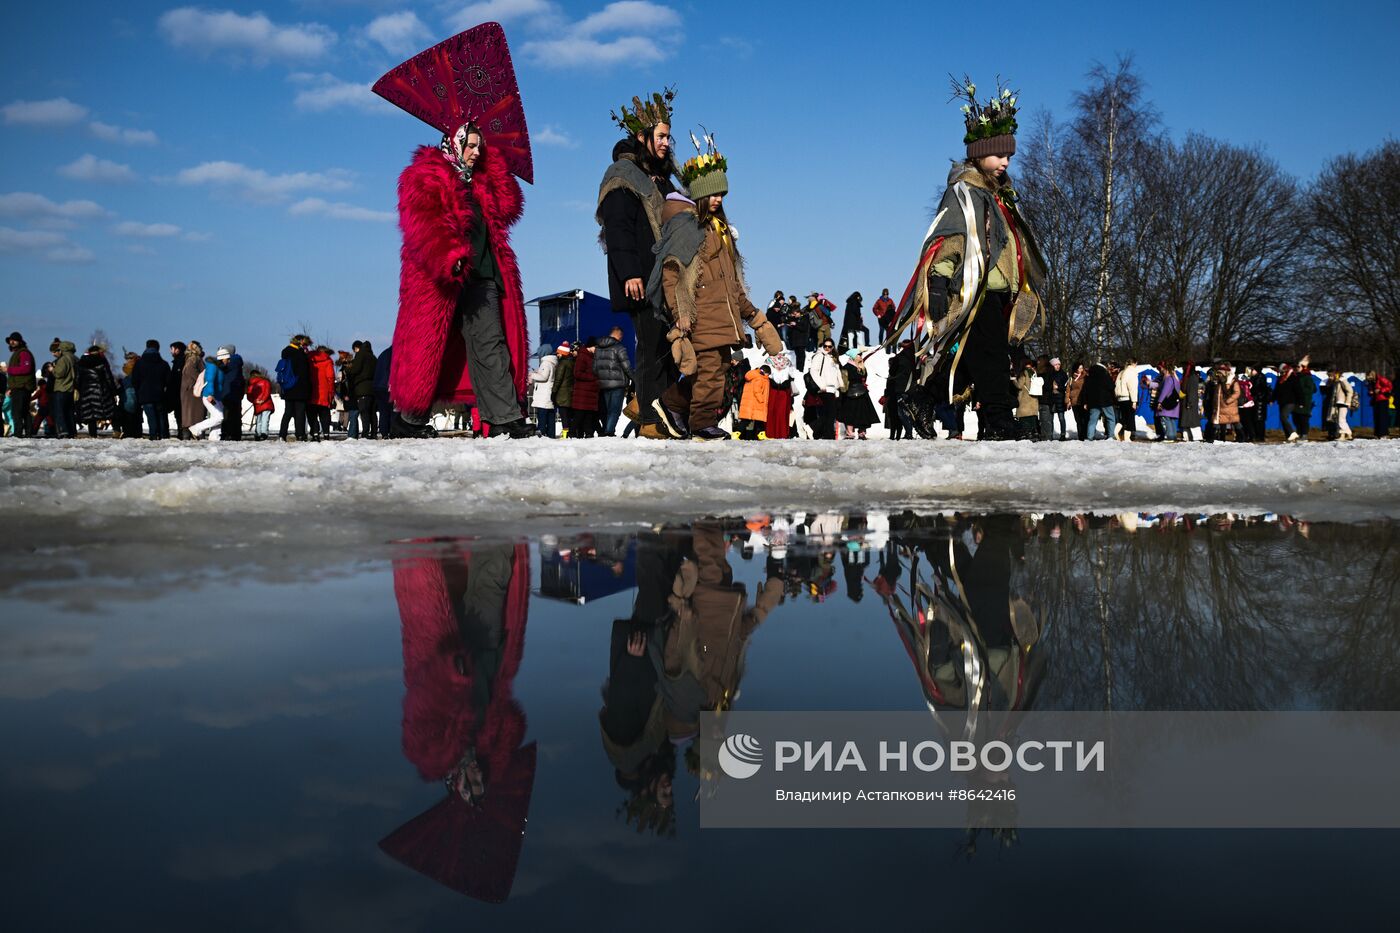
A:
(257, 185)
(553, 136)
(627, 31)
(51, 247)
(539, 13)
(399, 33)
(59, 111)
(16, 241)
(253, 38)
(38, 209)
(119, 134)
(132, 228)
(338, 211)
(322, 92)
(90, 168)
(75, 255)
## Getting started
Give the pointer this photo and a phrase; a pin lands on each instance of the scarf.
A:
(451, 147)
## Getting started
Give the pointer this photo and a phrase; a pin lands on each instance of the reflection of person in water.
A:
(970, 635)
(633, 717)
(463, 620)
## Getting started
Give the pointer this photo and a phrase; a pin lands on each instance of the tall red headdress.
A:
(468, 78)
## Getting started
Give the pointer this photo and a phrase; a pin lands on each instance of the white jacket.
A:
(825, 371)
(543, 381)
(1125, 388)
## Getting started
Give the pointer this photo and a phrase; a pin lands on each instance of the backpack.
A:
(198, 389)
(286, 376)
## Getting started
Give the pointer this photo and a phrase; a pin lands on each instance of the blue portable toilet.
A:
(576, 315)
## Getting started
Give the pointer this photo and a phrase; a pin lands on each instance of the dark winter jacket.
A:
(301, 369)
(234, 384)
(852, 320)
(629, 211)
(1098, 388)
(382, 366)
(359, 375)
(901, 373)
(21, 369)
(172, 383)
(585, 397)
(611, 364)
(149, 377)
(1259, 388)
(97, 389)
(564, 382)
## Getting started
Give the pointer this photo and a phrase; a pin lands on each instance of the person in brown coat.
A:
(191, 405)
(1225, 403)
(699, 281)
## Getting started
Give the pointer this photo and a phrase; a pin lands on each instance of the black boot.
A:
(515, 430)
(402, 429)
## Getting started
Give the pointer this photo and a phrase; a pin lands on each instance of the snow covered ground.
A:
(407, 485)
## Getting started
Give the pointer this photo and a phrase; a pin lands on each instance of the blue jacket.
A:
(149, 376)
(213, 380)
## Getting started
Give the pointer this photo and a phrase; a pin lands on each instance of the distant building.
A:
(577, 315)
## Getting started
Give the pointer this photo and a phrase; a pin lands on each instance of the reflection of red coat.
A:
(473, 848)
(322, 378)
(436, 215)
(438, 718)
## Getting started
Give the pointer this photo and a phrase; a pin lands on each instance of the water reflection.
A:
(463, 611)
(392, 706)
(993, 613)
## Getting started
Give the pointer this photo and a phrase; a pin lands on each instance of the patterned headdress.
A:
(645, 114)
(466, 79)
(704, 174)
(991, 126)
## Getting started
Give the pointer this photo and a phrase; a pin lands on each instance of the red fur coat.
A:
(436, 214)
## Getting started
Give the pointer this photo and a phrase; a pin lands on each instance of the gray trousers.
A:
(488, 356)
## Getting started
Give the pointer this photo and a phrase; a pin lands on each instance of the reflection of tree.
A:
(1359, 653)
(1220, 614)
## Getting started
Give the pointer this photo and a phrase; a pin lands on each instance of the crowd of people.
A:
(193, 395)
(817, 388)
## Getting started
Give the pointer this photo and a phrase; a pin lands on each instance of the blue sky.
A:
(222, 172)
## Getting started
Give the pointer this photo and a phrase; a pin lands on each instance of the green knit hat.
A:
(712, 182)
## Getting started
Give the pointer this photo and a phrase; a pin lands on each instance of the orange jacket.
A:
(754, 404)
(322, 379)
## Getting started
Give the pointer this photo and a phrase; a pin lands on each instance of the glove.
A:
(768, 337)
(938, 297)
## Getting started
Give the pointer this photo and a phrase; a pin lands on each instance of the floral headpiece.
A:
(645, 115)
(995, 117)
(705, 161)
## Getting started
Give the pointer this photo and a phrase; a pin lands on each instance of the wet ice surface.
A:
(406, 484)
(214, 733)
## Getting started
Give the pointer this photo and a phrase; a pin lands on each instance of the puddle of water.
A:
(405, 733)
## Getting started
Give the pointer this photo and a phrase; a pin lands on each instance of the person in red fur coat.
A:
(460, 336)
